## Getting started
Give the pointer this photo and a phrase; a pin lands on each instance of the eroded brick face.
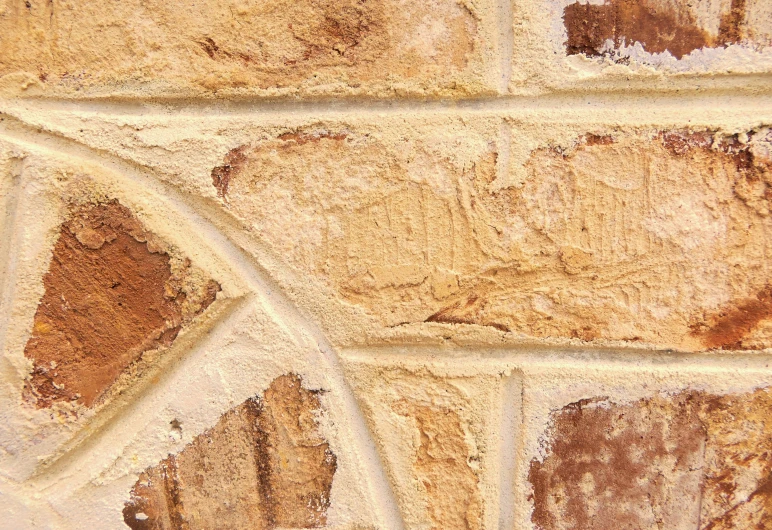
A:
(111, 293)
(620, 236)
(690, 460)
(267, 47)
(678, 27)
(264, 465)
(442, 458)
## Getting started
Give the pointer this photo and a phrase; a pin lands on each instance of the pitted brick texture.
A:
(687, 461)
(311, 47)
(622, 236)
(660, 26)
(518, 250)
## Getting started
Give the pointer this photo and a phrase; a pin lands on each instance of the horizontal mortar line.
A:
(301, 329)
(524, 356)
(501, 104)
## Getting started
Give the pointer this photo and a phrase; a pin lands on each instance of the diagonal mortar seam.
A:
(7, 256)
(286, 313)
(184, 349)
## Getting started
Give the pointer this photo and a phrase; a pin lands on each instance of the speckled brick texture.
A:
(386, 265)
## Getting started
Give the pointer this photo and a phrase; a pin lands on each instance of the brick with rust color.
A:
(110, 295)
(264, 465)
(675, 26)
(691, 461)
(271, 47)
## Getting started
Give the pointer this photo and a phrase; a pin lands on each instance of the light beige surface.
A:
(500, 271)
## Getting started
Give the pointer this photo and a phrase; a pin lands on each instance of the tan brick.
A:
(691, 460)
(281, 47)
(645, 236)
(576, 43)
(264, 465)
(657, 236)
(434, 433)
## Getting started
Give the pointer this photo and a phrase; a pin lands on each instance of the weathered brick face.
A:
(264, 465)
(386, 264)
(690, 460)
(112, 294)
(661, 26)
(664, 206)
(310, 46)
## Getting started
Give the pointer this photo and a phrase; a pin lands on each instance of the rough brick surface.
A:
(638, 43)
(111, 294)
(311, 47)
(620, 236)
(432, 432)
(386, 264)
(690, 460)
(264, 465)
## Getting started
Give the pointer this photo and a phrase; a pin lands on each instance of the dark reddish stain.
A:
(221, 175)
(592, 438)
(108, 298)
(302, 138)
(209, 46)
(627, 21)
(343, 27)
(648, 457)
(730, 30)
(683, 142)
(236, 158)
(594, 139)
(727, 328)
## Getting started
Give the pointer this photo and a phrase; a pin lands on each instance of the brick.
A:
(111, 294)
(264, 465)
(652, 237)
(641, 236)
(435, 441)
(308, 47)
(576, 43)
(687, 460)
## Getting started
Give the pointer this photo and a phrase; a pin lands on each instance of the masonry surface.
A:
(440, 265)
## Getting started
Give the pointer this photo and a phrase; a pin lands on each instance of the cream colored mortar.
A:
(235, 360)
(261, 339)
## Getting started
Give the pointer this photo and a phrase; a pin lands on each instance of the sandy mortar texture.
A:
(385, 265)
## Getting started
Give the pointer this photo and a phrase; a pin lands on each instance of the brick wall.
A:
(386, 264)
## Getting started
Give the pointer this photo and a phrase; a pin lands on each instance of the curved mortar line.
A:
(8, 240)
(286, 313)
